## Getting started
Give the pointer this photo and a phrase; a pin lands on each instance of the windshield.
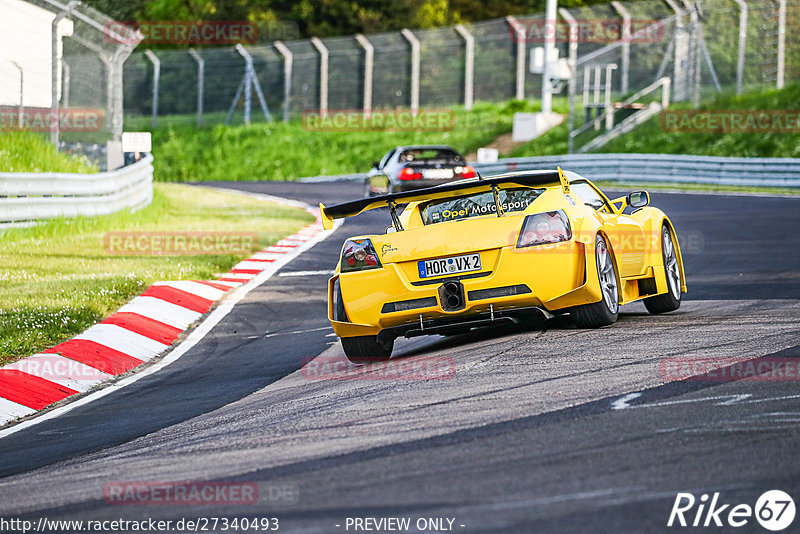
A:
(478, 204)
(429, 156)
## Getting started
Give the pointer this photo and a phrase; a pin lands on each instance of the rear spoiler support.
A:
(395, 219)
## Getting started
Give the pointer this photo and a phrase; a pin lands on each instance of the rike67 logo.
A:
(774, 510)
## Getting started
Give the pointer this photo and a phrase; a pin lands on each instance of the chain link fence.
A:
(61, 71)
(694, 45)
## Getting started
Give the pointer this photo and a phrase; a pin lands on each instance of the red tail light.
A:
(467, 172)
(409, 174)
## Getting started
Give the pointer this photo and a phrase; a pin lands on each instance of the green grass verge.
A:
(650, 138)
(287, 151)
(56, 279)
(32, 152)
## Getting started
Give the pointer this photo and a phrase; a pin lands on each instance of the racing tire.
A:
(671, 300)
(606, 311)
(366, 349)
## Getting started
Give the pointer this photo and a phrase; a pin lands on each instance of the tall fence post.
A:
(681, 50)
(369, 61)
(117, 97)
(573, 73)
(781, 42)
(469, 65)
(323, 75)
(65, 84)
(287, 77)
(156, 79)
(54, 62)
(415, 50)
(201, 70)
(626, 44)
(549, 47)
(742, 41)
(695, 49)
(21, 93)
(519, 33)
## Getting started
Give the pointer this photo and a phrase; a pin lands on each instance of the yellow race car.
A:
(486, 251)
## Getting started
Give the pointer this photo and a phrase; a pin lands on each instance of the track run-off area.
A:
(545, 428)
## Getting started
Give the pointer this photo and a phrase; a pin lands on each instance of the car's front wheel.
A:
(606, 311)
(365, 349)
(671, 300)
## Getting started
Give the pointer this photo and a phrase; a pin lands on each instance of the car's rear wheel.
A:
(606, 311)
(365, 349)
(671, 300)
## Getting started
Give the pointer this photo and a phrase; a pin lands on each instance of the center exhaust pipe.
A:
(451, 295)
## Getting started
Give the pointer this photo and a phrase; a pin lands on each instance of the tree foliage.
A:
(325, 18)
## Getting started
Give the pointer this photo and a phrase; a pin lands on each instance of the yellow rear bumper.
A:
(555, 274)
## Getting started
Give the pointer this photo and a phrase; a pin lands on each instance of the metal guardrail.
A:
(26, 196)
(781, 172)
(670, 168)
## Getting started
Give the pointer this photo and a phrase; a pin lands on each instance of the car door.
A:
(625, 233)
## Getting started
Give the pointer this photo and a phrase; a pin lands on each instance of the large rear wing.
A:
(524, 178)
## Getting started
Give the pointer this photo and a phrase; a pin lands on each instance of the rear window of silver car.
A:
(478, 204)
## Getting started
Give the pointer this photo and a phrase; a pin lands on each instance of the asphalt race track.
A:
(543, 429)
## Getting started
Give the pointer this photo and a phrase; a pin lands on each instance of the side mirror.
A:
(638, 199)
(375, 164)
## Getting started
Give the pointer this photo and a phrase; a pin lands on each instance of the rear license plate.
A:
(447, 266)
(437, 174)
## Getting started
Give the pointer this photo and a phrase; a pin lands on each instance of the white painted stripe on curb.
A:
(161, 310)
(64, 371)
(244, 277)
(11, 410)
(229, 284)
(244, 264)
(290, 242)
(195, 288)
(123, 340)
(195, 337)
(266, 256)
